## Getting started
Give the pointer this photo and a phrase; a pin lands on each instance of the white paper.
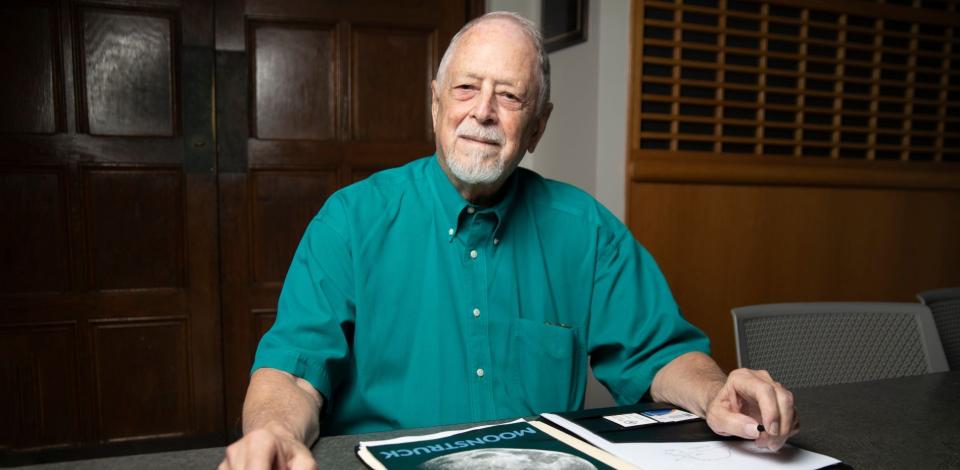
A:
(701, 455)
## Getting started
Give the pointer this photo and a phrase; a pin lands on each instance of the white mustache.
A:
(486, 134)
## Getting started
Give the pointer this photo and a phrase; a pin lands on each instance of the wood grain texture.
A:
(723, 246)
(391, 74)
(111, 217)
(40, 386)
(128, 72)
(295, 72)
(142, 369)
(794, 150)
(35, 223)
(29, 96)
(284, 202)
(134, 227)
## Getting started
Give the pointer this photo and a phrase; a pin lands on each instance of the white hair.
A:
(529, 29)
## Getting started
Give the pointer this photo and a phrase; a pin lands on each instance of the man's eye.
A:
(464, 87)
(511, 97)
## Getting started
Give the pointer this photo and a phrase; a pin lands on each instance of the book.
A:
(513, 445)
(658, 436)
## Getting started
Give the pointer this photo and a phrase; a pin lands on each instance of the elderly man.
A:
(460, 288)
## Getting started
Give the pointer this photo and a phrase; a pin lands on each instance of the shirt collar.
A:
(452, 204)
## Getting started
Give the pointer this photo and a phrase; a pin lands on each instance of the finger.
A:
(729, 423)
(763, 375)
(763, 442)
(787, 411)
(234, 456)
(303, 460)
(261, 452)
(763, 394)
(787, 417)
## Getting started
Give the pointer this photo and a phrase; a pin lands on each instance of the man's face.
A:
(484, 114)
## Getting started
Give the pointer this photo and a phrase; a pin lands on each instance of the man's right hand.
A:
(268, 448)
(280, 419)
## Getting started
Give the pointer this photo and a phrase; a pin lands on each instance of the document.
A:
(699, 455)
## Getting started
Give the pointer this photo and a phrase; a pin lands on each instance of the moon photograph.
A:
(503, 459)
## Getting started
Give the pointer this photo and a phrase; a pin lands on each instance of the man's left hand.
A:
(749, 398)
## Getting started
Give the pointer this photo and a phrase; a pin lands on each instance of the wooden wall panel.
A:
(263, 319)
(794, 150)
(108, 205)
(134, 227)
(279, 198)
(399, 60)
(295, 72)
(128, 69)
(34, 218)
(142, 369)
(29, 100)
(40, 386)
(723, 246)
(360, 174)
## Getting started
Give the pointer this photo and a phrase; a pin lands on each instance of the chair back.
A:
(823, 343)
(945, 306)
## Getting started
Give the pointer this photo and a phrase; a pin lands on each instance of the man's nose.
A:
(484, 110)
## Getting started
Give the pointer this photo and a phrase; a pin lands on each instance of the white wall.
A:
(585, 141)
(569, 146)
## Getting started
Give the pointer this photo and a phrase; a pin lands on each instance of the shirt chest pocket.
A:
(546, 366)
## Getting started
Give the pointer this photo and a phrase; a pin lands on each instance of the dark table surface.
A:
(905, 423)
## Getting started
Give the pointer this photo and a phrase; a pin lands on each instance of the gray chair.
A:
(823, 343)
(945, 305)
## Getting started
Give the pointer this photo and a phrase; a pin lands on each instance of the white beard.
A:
(476, 167)
(478, 164)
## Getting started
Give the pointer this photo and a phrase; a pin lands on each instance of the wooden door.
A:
(312, 96)
(109, 328)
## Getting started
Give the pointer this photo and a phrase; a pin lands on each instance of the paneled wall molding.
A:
(109, 215)
(127, 54)
(695, 168)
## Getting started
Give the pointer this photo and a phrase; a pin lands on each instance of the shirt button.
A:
(470, 210)
(476, 312)
(451, 232)
(496, 241)
(473, 254)
(479, 372)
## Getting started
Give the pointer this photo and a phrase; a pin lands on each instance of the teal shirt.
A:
(405, 306)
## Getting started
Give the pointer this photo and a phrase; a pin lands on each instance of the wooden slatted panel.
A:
(804, 78)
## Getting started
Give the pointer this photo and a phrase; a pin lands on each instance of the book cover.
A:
(521, 444)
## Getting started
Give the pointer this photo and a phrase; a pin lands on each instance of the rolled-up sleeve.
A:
(635, 325)
(316, 310)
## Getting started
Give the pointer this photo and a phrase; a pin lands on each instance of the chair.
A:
(945, 305)
(823, 343)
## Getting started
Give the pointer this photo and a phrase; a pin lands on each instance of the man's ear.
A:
(539, 125)
(434, 102)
